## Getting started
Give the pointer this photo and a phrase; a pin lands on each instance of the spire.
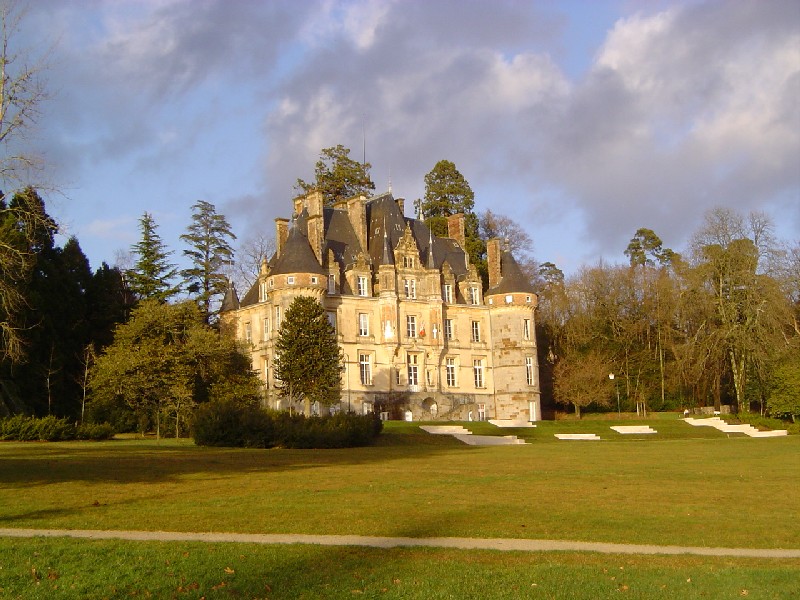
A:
(431, 264)
(388, 255)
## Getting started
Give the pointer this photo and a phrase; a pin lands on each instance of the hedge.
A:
(229, 424)
(23, 428)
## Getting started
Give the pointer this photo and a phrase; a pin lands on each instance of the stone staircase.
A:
(467, 437)
(744, 428)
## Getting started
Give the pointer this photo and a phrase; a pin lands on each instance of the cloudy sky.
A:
(583, 120)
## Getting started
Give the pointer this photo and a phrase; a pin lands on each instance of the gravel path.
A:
(504, 544)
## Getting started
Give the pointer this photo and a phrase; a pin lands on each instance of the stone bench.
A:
(577, 436)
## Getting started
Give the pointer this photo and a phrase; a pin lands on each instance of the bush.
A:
(95, 431)
(52, 429)
(28, 429)
(227, 424)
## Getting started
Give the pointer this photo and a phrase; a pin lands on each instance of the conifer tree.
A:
(308, 361)
(208, 237)
(152, 274)
(447, 193)
(338, 176)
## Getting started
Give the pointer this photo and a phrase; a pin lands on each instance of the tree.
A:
(338, 176)
(250, 255)
(152, 272)
(582, 380)
(516, 240)
(448, 193)
(165, 360)
(646, 248)
(208, 237)
(308, 360)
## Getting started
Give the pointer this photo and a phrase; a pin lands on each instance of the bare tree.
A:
(21, 93)
(249, 255)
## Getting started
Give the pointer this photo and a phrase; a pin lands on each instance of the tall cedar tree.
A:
(447, 193)
(152, 274)
(338, 176)
(210, 251)
(308, 361)
(165, 360)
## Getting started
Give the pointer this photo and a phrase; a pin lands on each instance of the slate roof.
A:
(511, 277)
(230, 301)
(297, 255)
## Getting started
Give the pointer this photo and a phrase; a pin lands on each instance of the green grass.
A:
(684, 486)
(58, 568)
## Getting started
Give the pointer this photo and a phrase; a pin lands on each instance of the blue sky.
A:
(581, 120)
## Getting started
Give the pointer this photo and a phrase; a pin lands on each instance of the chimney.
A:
(493, 260)
(316, 223)
(455, 229)
(357, 213)
(401, 203)
(281, 233)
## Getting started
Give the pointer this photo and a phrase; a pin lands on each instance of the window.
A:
(429, 377)
(314, 279)
(509, 298)
(476, 331)
(266, 329)
(262, 291)
(529, 369)
(365, 368)
(362, 285)
(411, 326)
(271, 282)
(477, 371)
(331, 284)
(266, 372)
(408, 262)
(450, 372)
(526, 329)
(277, 318)
(332, 320)
(527, 298)
(290, 280)
(413, 369)
(397, 377)
(474, 295)
(448, 329)
(410, 286)
(447, 293)
(248, 332)
(363, 324)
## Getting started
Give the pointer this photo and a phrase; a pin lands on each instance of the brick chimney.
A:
(401, 204)
(281, 233)
(493, 259)
(455, 229)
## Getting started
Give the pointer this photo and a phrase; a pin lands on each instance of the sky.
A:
(581, 120)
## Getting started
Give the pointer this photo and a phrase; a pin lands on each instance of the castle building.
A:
(421, 339)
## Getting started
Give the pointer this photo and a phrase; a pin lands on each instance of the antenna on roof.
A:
(364, 138)
(390, 181)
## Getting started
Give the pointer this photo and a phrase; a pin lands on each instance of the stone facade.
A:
(421, 338)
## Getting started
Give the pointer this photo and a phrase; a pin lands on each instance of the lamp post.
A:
(611, 377)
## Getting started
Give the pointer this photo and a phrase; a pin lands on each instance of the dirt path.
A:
(504, 544)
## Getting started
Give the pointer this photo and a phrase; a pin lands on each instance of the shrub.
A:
(28, 429)
(52, 429)
(95, 431)
(229, 424)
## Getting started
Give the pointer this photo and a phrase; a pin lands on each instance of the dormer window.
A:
(410, 288)
(447, 293)
(474, 295)
(362, 285)
(408, 262)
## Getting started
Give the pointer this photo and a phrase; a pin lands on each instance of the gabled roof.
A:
(340, 237)
(512, 279)
(297, 255)
(231, 300)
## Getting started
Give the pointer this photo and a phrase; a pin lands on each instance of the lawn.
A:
(683, 486)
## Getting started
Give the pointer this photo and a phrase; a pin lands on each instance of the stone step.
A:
(445, 429)
(511, 423)
(489, 440)
(743, 428)
(633, 429)
(577, 436)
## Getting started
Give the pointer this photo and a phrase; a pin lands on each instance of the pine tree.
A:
(338, 176)
(308, 361)
(448, 193)
(208, 237)
(152, 274)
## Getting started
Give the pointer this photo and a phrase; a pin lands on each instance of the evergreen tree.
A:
(447, 193)
(152, 274)
(338, 176)
(308, 361)
(210, 251)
